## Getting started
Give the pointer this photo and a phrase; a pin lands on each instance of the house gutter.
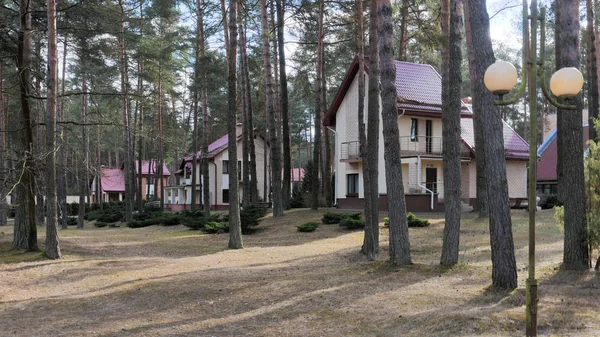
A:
(419, 180)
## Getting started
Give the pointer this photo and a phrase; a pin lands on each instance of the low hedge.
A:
(333, 218)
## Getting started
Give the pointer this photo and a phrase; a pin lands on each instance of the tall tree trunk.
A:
(371, 159)
(246, 129)
(403, 39)
(83, 173)
(592, 72)
(140, 107)
(52, 244)
(62, 153)
(128, 159)
(274, 142)
(481, 55)
(245, 73)
(318, 103)
(571, 182)
(370, 245)
(451, 103)
(285, 120)
(39, 134)
(399, 243)
(197, 79)
(481, 196)
(235, 229)
(27, 194)
(3, 164)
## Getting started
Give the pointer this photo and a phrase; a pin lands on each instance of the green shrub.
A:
(198, 223)
(100, 224)
(70, 221)
(414, 221)
(11, 210)
(195, 213)
(250, 217)
(308, 227)
(411, 219)
(170, 220)
(140, 223)
(215, 227)
(333, 218)
(548, 201)
(351, 223)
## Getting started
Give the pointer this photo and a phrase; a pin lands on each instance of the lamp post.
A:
(500, 78)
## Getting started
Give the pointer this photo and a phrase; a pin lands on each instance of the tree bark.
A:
(480, 181)
(39, 134)
(481, 55)
(318, 104)
(235, 229)
(403, 39)
(245, 73)
(62, 153)
(83, 173)
(275, 155)
(197, 79)
(451, 108)
(27, 178)
(571, 182)
(52, 243)
(370, 245)
(287, 157)
(399, 242)
(592, 71)
(3, 157)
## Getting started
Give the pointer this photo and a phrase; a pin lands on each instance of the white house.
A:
(420, 125)
(178, 197)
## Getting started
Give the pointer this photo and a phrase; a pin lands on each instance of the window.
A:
(225, 196)
(352, 183)
(414, 129)
(225, 166)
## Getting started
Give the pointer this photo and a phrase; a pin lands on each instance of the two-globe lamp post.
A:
(566, 83)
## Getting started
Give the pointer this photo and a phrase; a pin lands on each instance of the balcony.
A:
(422, 145)
(350, 152)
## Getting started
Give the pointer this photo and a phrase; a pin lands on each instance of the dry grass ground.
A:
(170, 281)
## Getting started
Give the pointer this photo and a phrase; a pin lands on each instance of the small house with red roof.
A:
(113, 181)
(179, 197)
(419, 104)
(547, 178)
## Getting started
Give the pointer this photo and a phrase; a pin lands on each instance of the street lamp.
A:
(500, 78)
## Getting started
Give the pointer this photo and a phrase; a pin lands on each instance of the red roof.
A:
(514, 145)
(419, 88)
(216, 147)
(147, 170)
(548, 153)
(113, 180)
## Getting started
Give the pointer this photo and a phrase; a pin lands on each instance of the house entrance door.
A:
(431, 179)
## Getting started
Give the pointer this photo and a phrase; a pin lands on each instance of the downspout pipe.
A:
(215, 175)
(336, 165)
(419, 180)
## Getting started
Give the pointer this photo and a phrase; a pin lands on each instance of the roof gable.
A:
(514, 145)
(548, 153)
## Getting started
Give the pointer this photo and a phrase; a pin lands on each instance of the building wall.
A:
(516, 173)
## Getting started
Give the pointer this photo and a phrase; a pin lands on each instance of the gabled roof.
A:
(113, 180)
(514, 145)
(548, 153)
(148, 169)
(419, 88)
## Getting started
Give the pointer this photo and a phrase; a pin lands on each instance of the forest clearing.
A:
(158, 281)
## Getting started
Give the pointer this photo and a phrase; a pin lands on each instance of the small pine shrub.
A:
(548, 201)
(215, 227)
(351, 223)
(100, 224)
(414, 221)
(308, 227)
(198, 223)
(170, 220)
(333, 218)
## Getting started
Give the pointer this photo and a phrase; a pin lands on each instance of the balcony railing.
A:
(350, 152)
(422, 145)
